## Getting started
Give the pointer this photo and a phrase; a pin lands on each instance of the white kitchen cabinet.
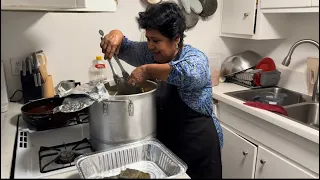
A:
(54, 4)
(238, 156)
(238, 17)
(59, 5)
(275, 145)
(243, 19)
(261, 19)
(315, 3)
(285, 3)
(271, 165)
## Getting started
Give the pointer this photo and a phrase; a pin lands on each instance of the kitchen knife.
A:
(35, 79)
(38, 52)
(24, 68)
(39, 79)
(29, 65)
(35, 61)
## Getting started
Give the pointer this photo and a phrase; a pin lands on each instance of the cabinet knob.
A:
(246, 15)
(245, 153)
(262, 161)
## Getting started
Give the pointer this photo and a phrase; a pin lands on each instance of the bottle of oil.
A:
(98, 70)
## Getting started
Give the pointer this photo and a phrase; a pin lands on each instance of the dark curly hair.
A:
(165, 17)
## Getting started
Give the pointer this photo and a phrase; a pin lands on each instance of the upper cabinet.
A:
(238, 16)
(315, 3)
(285, 3)
(59, 5)
(289, 6)
(261, 19)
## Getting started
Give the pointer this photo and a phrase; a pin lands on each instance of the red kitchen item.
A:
(256, 79)
(269, 107)
(266, 64)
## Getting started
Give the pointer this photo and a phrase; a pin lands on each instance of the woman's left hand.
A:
(138, 75)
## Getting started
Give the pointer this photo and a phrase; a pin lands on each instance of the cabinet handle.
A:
(245, 15)
(245, 153)
(263, 161)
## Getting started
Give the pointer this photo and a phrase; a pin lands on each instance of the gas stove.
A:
(40, 154)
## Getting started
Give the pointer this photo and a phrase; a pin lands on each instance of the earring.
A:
(177, 46)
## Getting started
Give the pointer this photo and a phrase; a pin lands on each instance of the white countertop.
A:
(285, 123)
(8, 134)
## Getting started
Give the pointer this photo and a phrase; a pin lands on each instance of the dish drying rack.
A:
(247, 78)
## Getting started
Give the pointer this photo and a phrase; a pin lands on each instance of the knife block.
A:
(30, 91)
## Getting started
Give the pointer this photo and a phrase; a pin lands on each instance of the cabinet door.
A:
(285, 3)
(271, 165)
(238, 17)
(35, 4)
(315, 3)
(238, 156)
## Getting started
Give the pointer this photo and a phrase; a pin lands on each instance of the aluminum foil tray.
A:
(149, 156)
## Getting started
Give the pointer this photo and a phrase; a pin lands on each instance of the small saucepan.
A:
(39, 114)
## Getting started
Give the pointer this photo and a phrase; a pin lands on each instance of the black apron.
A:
(190, 135)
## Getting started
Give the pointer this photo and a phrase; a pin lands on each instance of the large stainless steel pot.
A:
(123, 118)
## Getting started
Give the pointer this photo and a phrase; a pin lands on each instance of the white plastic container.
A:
(4, 92)
(98, 70)
(215, 61)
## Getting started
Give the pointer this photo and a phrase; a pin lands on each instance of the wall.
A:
(303, 26)
(71, 40)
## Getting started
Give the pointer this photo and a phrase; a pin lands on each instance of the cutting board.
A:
(43, 67)
(312, 73)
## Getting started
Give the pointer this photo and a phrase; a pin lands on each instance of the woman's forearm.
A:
(158, 71)
(135, 53)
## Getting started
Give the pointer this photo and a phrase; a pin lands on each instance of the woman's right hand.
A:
(111, 43)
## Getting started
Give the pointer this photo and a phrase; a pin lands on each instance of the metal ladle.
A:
(122, 83)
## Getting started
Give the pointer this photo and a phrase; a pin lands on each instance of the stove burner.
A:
(62, 156)
(66, 157)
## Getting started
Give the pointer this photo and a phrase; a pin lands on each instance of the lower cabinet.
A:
(243, 159)
(271, 165)
(238, 156)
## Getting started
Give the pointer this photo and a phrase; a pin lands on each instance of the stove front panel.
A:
(28, 145)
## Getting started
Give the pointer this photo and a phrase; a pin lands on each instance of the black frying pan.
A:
(39, 114)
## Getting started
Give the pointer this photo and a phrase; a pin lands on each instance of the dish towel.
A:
(268, 107)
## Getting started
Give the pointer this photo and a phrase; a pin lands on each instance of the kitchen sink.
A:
(292, 97)
(307, 113)
(299, 107)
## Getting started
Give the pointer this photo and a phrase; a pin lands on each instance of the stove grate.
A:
(62, 156)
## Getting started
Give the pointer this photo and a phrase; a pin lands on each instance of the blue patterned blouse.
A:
(190, 73)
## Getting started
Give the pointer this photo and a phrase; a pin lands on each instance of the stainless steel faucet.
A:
(287, 59)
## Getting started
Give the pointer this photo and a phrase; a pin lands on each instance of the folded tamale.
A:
(130, 174)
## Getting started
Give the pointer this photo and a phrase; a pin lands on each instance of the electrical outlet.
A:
(16, 66)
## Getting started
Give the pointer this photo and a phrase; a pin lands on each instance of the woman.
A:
(186, 123)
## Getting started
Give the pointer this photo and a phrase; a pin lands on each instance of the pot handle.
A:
(130, 105)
